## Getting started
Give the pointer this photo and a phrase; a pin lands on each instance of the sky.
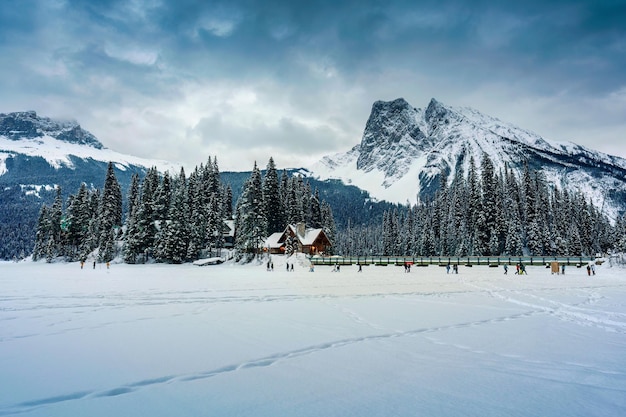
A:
(244, 81)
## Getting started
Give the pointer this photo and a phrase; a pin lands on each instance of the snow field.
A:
(163, 340)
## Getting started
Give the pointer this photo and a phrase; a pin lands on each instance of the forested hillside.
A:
(491, 213)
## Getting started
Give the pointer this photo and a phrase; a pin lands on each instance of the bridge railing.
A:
(449, 260)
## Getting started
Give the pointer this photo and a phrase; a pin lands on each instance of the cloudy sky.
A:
(183, 80)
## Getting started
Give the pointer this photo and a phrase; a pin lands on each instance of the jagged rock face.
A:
(392, 136)
(27, 125)
(411, 148)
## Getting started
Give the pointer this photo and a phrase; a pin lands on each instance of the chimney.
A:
(301, 229)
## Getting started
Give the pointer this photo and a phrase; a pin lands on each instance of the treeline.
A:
(167, 220)
(491, 213)
(174, 219)
(268, 204)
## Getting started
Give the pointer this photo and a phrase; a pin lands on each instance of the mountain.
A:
(36, 155)
(405, 150)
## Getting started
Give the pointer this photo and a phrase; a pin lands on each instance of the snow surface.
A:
(58, 152)
(398, 190)
(165, 340)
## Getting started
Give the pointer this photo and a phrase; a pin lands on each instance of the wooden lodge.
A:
(305, 240)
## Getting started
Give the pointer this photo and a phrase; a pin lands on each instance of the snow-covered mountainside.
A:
(404, 151)
(59, 143)
(38, 154)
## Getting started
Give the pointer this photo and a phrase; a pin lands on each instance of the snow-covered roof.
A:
(310, 236)
(231, 227)
(272, 240)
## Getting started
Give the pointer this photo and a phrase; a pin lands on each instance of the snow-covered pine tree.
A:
(250, 219)
(328, 224)
(107, 247)
(316, 210)
(77, 220)
(110, 213)
(53, 248)
(474, 208)
(163, 197)
(146, 215)
(197, 195)
(42, 234)
(489, 204)
(227, 201)
(176, 240)
(273, 205)
(131, 247)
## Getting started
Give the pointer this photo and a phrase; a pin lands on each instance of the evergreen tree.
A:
(77, 220)
(227, 202)
(250, 219)
(110, 213)
(175, 242)
(53, 247)
(316, 211)
(43, 234)
(132, 246)
(162, 197)
(328, 224)
(197, 221)
(272, 202)
(146, 215)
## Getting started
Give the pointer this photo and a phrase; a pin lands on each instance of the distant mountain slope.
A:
(404, 150)
(37, 154)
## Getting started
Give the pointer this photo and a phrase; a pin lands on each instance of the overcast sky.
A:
(183, 80)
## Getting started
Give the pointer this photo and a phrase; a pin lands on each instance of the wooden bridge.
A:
(492, 261)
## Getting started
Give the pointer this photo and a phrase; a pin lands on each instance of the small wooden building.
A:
(309, 241)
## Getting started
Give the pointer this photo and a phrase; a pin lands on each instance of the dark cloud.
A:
(170, 70)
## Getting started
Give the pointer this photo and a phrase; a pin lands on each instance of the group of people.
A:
(82, 264)
(520, 269)
(455, 268)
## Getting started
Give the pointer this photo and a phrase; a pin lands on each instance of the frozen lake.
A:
(231, 340)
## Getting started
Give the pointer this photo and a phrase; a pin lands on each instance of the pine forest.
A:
(180, 219)
(176, 219)
(487, 213)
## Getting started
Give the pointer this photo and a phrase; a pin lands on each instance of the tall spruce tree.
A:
(272, 202)
(175, 239)
(250, 218)
(110, 214)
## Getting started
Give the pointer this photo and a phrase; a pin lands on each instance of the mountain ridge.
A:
(28, 125)
(37, 154)
(404, 151)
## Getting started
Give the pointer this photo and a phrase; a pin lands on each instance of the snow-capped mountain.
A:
(62, 144)
(404, 151)
(36, 155)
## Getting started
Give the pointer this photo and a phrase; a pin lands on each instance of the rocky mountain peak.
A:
(391, 133)
(28, 125)
(405, 151)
